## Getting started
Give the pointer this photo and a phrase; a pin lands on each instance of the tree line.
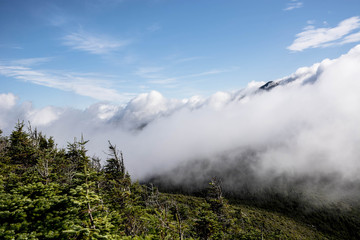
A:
(47, 192)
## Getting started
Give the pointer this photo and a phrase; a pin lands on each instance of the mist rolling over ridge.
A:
(124, 119)
(300, 130)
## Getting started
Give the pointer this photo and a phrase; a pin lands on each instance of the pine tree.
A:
(93, 219)
(118, 181)
(21, 149)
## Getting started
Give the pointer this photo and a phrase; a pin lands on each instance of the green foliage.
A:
(51, 193)
(25, 209)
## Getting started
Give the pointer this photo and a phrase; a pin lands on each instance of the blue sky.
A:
(76, 53)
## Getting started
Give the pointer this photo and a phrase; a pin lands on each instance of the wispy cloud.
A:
(172, 80)
(93, 44)
(355, 37)
(293, 5)
(58, 20)
(11, 46)
(313, 37)
(154, 27)
(161, 76)
(164, 81)
(189, 59)
(155, 75)
(149, 72)
(310, 22)
(206, 73)
(31, 61)
(78, 83)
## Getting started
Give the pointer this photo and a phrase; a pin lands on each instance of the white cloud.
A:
(85, 86)
(44, 116)
(104, 111)
(355, 37)
(210, 72)
(296, 128)
(7, 100)
(313, 37)
(92, 43)
(293, 5)
(218, 100)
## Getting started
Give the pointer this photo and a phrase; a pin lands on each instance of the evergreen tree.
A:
(21, 149)
(93, 219)
(118, 182)
(51, 193)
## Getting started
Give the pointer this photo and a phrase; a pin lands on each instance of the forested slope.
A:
(51, 193)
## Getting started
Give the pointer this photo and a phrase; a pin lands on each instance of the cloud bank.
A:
(305, 124)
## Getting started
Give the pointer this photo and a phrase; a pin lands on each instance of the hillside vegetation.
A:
(51, 193)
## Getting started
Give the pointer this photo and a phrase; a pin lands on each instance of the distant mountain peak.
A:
(269, 85)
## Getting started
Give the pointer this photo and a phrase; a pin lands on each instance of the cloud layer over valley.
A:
(305, 124)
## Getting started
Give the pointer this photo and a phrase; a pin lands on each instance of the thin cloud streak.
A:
(355, 37)
(93, 44)
(155, 76)
(172, 80)
(189, 59)
(149, 72)
(313, 37)
(294, 4)
(84, 86)
(210, 72)
(31, 61)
